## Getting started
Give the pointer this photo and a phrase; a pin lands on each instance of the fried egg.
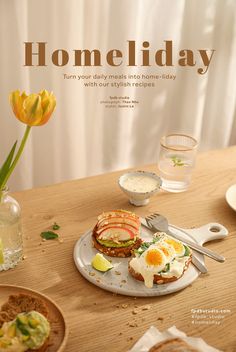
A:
(177, 245)
(153, 259)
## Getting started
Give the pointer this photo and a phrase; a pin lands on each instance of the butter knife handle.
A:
(198, 248)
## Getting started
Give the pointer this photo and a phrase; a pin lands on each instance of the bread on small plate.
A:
(173, 345)
(24, 316)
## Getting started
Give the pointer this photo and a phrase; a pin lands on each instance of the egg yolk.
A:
(178, 247)
(153, 257)
(165, 251)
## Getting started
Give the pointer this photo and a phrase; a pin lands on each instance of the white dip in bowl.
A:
(139, 186)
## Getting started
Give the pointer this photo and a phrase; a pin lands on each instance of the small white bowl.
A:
(231, 196)
(139, 198)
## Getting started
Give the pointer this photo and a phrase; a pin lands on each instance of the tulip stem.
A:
(18, 154)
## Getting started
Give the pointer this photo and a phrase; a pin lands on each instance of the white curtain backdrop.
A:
(83, 138)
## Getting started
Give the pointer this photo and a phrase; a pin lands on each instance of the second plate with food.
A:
(118, 279)
(59, 331)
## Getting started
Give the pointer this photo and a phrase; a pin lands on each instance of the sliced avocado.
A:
(1, 333)
(33, 323)
(107, 243)
(25, 337)
(22, 319)
(12, 331)
(5, 343)
(23, 330)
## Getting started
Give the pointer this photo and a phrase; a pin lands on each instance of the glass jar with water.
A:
(11, 243)
(176, 161)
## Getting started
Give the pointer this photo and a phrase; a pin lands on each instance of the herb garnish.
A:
(145, 245)
(177, 161)
(49, 235)
(55, 226)
(166, 268)
(187, 251)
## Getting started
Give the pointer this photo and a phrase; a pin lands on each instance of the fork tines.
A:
(152, 216)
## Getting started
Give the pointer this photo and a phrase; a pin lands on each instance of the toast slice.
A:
(158, 279)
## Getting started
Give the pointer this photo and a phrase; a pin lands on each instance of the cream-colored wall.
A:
(83, 138)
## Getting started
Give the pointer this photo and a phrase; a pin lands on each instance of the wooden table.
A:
(98, 320)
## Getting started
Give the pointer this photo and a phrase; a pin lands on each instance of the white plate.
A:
(231, 196)
(118, 279)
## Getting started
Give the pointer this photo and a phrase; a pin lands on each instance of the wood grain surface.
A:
(102, 321)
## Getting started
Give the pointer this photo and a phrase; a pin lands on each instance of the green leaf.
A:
(49, 235)
(167, 268)
(177, 161)
(145, 245)
(55, 226)
(6, 165)
(187, 251)
(156, 238)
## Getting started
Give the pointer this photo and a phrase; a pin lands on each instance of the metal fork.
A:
(160, 223)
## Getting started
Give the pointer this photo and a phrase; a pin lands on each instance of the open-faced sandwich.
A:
(24, 324)
(117, 233)
(163, 260)
(173, 345)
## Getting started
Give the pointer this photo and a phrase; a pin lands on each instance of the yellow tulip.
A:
(33, 109)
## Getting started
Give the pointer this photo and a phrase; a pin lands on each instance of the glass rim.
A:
(163, 144)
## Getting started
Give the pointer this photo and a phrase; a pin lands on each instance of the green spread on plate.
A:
(107, 243)
(28, 331)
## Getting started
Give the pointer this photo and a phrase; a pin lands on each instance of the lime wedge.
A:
(1, 253)
(101, 263)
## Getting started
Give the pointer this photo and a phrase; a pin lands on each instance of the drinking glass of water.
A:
(176, 161)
